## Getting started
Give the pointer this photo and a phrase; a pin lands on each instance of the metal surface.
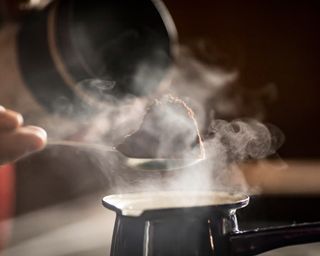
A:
(142, 164)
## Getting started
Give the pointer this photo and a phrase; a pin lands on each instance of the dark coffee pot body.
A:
(83, 52)
(200, 231)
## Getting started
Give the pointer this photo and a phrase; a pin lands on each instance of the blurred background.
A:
(270, 42)
(274, 47)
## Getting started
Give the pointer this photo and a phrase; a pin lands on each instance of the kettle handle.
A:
(253, 242)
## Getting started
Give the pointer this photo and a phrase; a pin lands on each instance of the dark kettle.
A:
(86, 51)
(207, 230)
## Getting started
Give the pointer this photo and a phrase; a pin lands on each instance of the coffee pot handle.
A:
(253, 242)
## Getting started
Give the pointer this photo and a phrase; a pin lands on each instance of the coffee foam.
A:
(135, 204)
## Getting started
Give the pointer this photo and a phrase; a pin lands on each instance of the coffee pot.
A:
(159, 225)
(72, 56)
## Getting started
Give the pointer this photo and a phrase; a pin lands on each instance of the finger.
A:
(21, 142)
(9, 119)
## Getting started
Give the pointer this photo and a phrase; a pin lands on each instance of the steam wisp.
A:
(221, 145)
(192, 116)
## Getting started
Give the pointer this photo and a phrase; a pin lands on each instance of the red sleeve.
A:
(7, 197)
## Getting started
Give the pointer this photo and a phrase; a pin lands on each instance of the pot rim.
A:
(241, 200)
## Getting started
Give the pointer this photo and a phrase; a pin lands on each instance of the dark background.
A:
(270, 42)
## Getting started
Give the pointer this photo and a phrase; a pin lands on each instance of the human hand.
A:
(17, 140)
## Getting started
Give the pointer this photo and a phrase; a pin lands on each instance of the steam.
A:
(168, 129)
(227, 143)
(210, 92)
(100, 87)
(212, 96)
(194, 86)
(230, 144)
(202, 154)
(243, 139)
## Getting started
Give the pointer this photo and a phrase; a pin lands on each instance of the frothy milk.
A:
(135, 204)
